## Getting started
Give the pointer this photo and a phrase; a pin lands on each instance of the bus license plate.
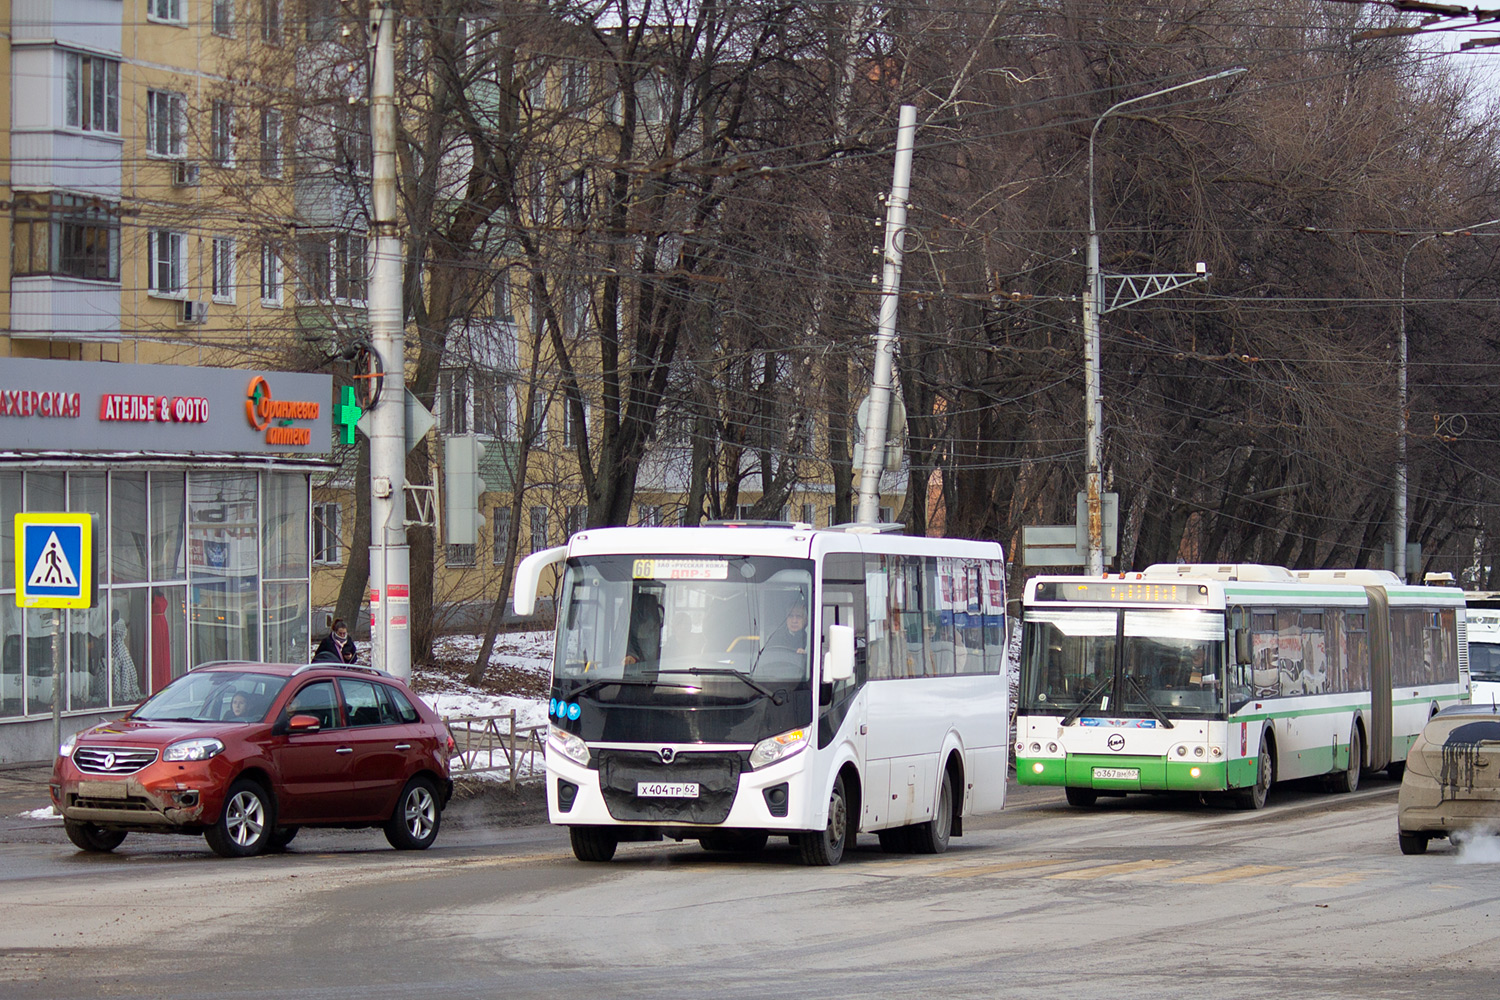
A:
(667, 789)
(1117, 774)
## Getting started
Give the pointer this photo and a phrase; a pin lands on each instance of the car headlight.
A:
(199, 749)
(66, 750)
(768, 751)
(569, 745)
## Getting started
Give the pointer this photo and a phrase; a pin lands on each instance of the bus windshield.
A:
(1125, 663)
(685, 649)
(1484, 661)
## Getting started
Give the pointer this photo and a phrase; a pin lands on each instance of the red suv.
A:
(247, 753)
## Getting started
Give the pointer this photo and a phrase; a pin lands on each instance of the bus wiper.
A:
(731, 672)
(602, 681)
(1083, 703)
(1150, 705)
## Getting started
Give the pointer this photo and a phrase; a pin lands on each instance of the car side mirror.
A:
(303, 724)
(838, 661)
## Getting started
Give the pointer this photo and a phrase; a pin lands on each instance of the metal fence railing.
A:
(489, 743)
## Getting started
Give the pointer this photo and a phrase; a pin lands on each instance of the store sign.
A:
(189, 410)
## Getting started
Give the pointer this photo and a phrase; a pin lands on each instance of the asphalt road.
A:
(1137, 897)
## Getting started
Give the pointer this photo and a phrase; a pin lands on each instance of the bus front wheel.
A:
(825, 847)
(1254, 797)
(593, 843)
(1081, 796)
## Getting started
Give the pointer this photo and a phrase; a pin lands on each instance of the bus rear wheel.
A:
(593, 843)
(932, 837)
(1347, 780)
(1080, 796)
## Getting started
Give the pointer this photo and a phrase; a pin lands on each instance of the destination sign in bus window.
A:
(680, 569)
(1123, 591)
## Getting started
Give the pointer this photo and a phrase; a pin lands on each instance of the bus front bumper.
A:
(1123, 774)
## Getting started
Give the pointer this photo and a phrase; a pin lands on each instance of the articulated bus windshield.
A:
(1110, 661)
(685, 648)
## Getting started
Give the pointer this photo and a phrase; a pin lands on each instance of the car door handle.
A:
(403, 746)
(344, 750)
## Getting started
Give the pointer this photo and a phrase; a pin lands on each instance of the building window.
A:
(166, 123)
(270, 22)
(887, 515)
(574, 429)
(351, 139)
(314, 268)
(223, 18)
(491, 404)
(349, 284)
(223, 286)
(578, 519)
(326, 546)
(164, 10)
(166, 253)
(460, 555)
(322, 20)
(539, 422)
(649, 515)
(538, 528)
(453, 401)
(270, 143)
(831, 515)
(221, 148)
(270, 275)
(575, 84)
(808, 514)
(66, 235)
(92, 99)
(500, 544)
(500, 309)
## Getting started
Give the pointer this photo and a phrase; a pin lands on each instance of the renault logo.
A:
(1116, 742)
(109, 762)
(667, 755)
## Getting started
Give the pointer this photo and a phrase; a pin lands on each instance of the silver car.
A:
(1452, 779)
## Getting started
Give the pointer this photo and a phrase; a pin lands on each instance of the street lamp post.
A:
(1093, 415)
(1398, 503)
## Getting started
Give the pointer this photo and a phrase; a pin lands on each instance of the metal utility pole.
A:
(390, 558)
(1398, 504)
(882, 381)
(1142, 287)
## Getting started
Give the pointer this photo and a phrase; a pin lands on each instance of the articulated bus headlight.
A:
(569, 745)
(1196, 772)
(1038, 767)
(768, 751)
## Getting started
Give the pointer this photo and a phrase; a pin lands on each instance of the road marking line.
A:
(1232, 874)
(1008, 866)
(1334, 880)
(1123, 868)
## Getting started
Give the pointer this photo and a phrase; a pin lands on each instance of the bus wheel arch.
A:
(1254, 797)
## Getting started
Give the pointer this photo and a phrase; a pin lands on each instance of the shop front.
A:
(199, 483)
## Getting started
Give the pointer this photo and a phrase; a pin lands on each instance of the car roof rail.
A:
(336, 665)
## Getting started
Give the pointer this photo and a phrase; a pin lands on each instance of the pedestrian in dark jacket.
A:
(337, 646)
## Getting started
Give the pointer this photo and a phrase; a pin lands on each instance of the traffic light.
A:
(462, 486)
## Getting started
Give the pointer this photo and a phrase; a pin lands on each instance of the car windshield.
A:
(213, 696)
(1107, 661)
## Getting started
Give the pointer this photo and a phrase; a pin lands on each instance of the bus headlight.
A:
(768, 751)
(570, 746)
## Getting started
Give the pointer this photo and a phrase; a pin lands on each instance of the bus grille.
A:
(717, 775)
(111, 760)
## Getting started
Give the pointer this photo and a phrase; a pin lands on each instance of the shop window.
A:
(67, 235)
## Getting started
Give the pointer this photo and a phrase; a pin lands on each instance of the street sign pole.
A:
(56, 567)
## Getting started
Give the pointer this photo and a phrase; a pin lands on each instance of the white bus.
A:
(1484, 647)
(1205, 678)
(730, 682)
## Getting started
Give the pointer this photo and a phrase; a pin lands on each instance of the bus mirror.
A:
(1242, 655)
(838, 661)
(529, 577)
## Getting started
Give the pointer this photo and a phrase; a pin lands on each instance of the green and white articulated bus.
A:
(730, 683)
(1228, 678)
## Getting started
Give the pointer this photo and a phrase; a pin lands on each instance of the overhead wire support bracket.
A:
(1133, 288)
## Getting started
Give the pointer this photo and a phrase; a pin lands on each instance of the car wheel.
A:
(246, 823)
(1254, 797)
(1081, 796)
(735, 841)
(593, 843)
(932, 837)
(1412, 843)
(283, 836)
(414, 824)
(825, 847)
(1347, 780)
(88, 837)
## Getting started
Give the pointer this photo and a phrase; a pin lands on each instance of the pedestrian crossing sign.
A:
(55, 561)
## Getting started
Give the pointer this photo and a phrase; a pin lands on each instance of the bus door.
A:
(842, 602)
(1380, 678)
